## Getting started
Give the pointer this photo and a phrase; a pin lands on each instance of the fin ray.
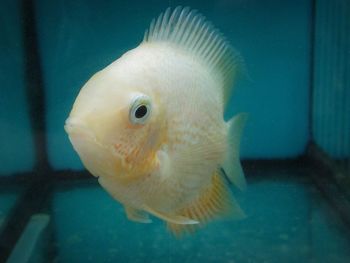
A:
(232, 165)
(137, 215)
(174, 219)
(190, 31)
(217, 201)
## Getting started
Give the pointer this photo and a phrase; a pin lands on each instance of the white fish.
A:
(150, 125)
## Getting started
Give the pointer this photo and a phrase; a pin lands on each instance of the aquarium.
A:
(293, 88)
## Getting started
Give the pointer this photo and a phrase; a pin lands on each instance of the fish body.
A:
(150, 125)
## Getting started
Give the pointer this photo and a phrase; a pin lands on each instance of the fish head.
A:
(116, 125)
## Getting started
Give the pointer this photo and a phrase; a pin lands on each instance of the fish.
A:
(150, 126)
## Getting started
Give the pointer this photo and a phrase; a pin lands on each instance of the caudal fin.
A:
(232, 165)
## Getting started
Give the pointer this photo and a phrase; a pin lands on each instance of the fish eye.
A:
(140, 110)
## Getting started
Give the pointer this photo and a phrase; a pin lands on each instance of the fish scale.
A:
(166, 160)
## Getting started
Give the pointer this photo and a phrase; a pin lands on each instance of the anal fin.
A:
(137, 215)
(215, 202)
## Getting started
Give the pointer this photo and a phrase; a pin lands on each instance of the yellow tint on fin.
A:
(137, 215)
(171, 218)
(216, 202)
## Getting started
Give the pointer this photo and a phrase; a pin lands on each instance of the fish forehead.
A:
(157, 61)
(191, 98)
(183, 84)
(175, 78)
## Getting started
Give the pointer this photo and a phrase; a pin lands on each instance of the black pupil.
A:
(141, 111)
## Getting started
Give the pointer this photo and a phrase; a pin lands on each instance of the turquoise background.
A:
(78, 38)
(16, 145)
(287, 218)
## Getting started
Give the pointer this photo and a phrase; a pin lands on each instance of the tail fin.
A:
(232, 165)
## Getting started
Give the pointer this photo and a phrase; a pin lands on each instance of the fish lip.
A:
(77, 129)
(74, 127)
(79, 133)
(72, 124)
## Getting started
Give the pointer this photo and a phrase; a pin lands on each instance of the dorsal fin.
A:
(190, 31)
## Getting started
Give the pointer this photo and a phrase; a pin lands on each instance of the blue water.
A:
(288, 220)
(8, 199)
(78, 38)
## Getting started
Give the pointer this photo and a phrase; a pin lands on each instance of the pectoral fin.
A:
(137, 215)
(170, 218)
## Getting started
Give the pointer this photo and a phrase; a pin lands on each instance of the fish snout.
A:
(73, 125)
(76, 128)
(96, 156)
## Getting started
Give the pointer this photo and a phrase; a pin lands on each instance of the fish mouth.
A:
(75, 127)
(79, 131)
(96, 157)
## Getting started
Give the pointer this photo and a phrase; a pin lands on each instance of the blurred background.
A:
(295, 148)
